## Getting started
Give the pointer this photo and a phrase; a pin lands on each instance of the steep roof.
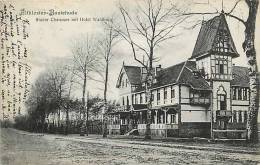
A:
(183, 73)
(207, 36)
(134, 74)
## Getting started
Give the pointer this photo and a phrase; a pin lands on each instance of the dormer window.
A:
(222, 40)
(196, 74)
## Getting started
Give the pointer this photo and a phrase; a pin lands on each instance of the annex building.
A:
(204, 96)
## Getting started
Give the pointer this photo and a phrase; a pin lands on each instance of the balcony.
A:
(123, 108)
(223, 113)
(201, 101)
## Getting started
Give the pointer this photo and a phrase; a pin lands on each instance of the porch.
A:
(164, 121)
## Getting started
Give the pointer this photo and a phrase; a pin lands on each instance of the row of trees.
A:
(52, 92)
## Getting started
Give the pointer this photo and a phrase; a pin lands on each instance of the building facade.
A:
(205, 96)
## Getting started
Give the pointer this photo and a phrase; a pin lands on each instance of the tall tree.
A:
(86, 61)
(106, 44)
(146, 27)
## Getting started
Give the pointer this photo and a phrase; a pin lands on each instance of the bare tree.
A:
(57, 80)
(146, 27)
(85, 62)
(106, 44)
(249, 49)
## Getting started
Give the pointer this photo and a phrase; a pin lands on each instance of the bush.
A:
(21, 122)
(6, 124)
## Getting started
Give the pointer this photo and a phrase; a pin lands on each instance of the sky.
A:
(50, 41)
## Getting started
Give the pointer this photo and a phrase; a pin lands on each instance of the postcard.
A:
(129, 82)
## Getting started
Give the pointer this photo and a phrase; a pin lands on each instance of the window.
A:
(245, 116)
(245, 94)
(234, 116)
(141, 99)
(221, 68)
(127, 100)
(123, 101)
(126, 82)
(222, 41)
(158, 95)
(172, 92)
(222, 102)
(132, 99)
(173, 118)
(152, 95)
(234, 93)
(239, 93)
(165, 94)
(239, 116)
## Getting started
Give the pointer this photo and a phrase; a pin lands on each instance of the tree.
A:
(40, 102)
(145, 28)
(85, 61)
(57, 78)
(249, 48)
(106, 45)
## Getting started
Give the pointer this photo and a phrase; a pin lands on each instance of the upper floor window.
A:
(234, 93)
(158, 95)
(221, 67)
(245, 93)
(239, 94)
(141, 99)
(222, 98)
(126, 82)
(172, 92)
(165, 93)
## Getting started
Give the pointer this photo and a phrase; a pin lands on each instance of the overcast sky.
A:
(50, 41)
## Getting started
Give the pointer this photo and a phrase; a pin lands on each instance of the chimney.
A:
(158, 69)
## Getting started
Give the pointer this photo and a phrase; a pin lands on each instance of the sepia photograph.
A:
(114, 82)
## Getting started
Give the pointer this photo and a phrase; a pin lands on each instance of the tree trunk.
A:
(149, 103)
(104, 130)
(67, 121)
(249, 49)
(82, 129)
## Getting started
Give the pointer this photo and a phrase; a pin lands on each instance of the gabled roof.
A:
(207, 36)
(182, 73)
(133, 73)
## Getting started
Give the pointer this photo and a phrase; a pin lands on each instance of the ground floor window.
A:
(173, 118)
